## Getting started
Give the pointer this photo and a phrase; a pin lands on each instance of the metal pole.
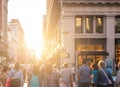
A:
(76, 67)
(60, 34)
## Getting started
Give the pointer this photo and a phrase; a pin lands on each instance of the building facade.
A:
(3, 28)
(16, 47)
(84, 28)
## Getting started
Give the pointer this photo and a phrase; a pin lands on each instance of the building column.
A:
(110, 34)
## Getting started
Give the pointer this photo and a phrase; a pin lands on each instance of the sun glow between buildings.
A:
(30, 16)
(34, 43)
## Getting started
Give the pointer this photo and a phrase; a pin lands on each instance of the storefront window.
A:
(99, 47)
(88, 49)
(117, 51)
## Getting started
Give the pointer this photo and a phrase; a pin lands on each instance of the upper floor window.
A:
(99, 24)
(89, 24)
(78, 25)
(117, 24)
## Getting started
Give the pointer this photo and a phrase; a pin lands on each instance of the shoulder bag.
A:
(109, 81)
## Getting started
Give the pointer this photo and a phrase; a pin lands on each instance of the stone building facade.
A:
(86, 28)
(16, 47)
(3, 28)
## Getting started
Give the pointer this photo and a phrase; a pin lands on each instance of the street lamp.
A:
(60, 33)
(1, 44)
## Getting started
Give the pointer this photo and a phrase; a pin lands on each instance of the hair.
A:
(54, 66)
(35, 70)
(95, 66)
(84, 61)
(5, 68)
(101, 64)
(65, 65)
(17, 66)
(118, 64)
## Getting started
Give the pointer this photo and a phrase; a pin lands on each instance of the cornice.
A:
(94, 2)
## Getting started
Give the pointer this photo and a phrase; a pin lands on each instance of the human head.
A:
(101, 64)
(17, 66)
(84, 61)
(65, 65)
(35, 69)
(95, 66)
(5, 68)
(54, 66)
(119, 65)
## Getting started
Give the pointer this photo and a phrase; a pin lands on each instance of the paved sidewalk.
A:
(25, 84)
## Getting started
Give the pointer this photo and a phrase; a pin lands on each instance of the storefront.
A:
(117, 51)
(91, 49)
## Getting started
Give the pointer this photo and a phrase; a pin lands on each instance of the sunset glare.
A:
(30, 14)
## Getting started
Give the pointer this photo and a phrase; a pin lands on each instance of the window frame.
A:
(79, 29)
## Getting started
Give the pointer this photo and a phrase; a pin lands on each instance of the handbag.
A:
(109, 81)
(8, 82)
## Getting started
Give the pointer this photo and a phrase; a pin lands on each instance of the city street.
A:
(25, 85)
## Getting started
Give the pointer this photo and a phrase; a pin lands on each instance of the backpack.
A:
(34, 82)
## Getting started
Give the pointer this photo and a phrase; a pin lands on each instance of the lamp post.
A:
(76, 67)
(1, 44)
(60, 33)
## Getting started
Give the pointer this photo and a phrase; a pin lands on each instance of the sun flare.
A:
(35, 43)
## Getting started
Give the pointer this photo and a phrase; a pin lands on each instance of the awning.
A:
(93, 53)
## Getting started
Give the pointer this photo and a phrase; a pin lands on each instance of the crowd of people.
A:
(49, 75)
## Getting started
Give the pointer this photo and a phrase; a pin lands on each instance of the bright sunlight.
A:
(30, 17)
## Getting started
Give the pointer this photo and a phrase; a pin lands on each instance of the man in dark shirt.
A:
(84, 75)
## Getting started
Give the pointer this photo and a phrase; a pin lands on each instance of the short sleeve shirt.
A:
(84, 73)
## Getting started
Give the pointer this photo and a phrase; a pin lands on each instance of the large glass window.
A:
(90, 44)
(99, 24)
(78, 25)
(117, 51)
(117, 24)
(89, 24)
(87, 46)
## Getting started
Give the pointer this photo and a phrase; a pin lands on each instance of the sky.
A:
(30, 14)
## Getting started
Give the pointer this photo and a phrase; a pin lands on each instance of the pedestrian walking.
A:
(84, 74)
(118, 76)
(73, 78)
(29, 74)
(104, 78)
(4, 75)
(55, 76)
(66, 75)
(35, 78)
(48, 76)
(94, 74)
(17, 76)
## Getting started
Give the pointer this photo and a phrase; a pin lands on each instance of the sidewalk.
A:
(25, 84)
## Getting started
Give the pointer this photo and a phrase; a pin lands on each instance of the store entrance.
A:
(90, 59)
